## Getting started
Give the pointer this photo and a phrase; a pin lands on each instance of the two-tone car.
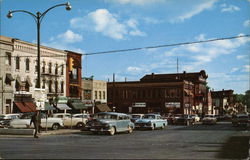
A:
(209, 119)
(75, 120)
(24, 122)
(111, 123)
(151, 121)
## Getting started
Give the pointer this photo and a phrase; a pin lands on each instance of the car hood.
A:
(102, 121)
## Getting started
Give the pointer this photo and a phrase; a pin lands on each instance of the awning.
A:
(61, 99)
(62, 106)
(103, 107)
(26, 106)
(77, 104)
(9, 77)
(47, 106)
(29, 82)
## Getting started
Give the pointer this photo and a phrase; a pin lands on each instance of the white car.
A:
(75, 120)
(6, 118)
(209, 119)
(195, 117)
(24, 122)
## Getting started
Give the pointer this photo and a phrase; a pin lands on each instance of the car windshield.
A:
(2, 116)
(26, 116)
(149, 117)
(105, 116)
(81, 116)
(136, 116)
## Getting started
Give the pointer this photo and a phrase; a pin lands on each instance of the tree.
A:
(247, 99)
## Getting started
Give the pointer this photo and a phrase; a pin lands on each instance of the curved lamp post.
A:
(38, 18)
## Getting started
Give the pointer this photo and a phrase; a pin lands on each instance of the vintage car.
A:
(111, 122)
(240, 120)
(209, 119)
(135, 117)
(184, 120)
(6, 118)
(75, 120)
(151, 121)
(195, 117)
(24, 122)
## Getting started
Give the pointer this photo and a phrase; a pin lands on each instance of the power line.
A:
(149, 47)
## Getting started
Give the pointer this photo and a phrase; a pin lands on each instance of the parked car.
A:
(111, 122)
(184, 120)
(175, 117)
(134, 117)
(240, 120)
(75, 120)
(24, 122)
(195, 117)
(6, 118)
(209, 119)
(151, 121)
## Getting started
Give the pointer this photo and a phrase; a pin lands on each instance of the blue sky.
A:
(103, 25)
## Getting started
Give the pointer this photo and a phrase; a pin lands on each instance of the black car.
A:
(184, 120)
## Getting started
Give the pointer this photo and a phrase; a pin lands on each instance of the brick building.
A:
(164, 93)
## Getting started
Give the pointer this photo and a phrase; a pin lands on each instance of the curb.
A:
(8, 131)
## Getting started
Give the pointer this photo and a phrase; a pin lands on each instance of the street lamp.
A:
(38, 18)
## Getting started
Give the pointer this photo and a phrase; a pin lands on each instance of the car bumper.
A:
(141, 126)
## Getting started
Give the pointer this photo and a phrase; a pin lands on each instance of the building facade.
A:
(18, 60)
(74, 75)
(222, 101)
(163, 93)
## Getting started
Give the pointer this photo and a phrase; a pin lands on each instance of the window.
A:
(50, 86)
(56, 86)
(56, 69)
(43, 68)
(103, 95)
(62, 88)
(36, 67)
(27, 64)
(100, 95)
(8, 58)
(50, 67)
(95, 94)
(17, 62)
(62, 70)
(43, 86)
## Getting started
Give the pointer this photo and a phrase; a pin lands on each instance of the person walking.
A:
(36, 120)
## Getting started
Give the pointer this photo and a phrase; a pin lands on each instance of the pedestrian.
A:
(36, 120)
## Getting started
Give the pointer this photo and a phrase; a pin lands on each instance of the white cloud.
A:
(104, 22)
(64, 41)
(234, 69)
(196, 9)
(229, 8)
(246, 23)
(135, 2)
(70, 37)
(241, 57)
(246, 68)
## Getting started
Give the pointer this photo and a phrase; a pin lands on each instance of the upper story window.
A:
(8, 58)
(17, 62)
(56, 69)
(103, 94)
(100, 95)
(27, 64)
(62, 67)
(62, 88)
(43, 68)
(50, 67)
(36, 67)
(95, 94)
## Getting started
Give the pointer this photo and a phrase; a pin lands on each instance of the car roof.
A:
(112, 113)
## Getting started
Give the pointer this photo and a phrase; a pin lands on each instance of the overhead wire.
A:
(148, 47)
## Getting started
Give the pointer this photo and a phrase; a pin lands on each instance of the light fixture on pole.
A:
(38, 18)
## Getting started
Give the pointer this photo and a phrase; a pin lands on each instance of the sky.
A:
(104, 25)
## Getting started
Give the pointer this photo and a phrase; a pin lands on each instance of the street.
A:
(174, 142)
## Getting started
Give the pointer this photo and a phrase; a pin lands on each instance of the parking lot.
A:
(174, 142)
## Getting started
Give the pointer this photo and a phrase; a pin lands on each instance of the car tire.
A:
(112, 131)
(79, 125)
(55, 126)
(130, 129)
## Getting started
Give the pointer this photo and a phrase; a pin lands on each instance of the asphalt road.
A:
(174, 142)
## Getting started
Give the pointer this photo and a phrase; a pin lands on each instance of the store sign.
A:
(88, 103)
(173, 104)
(139, 104)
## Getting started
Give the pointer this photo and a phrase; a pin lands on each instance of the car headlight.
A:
(149, 123)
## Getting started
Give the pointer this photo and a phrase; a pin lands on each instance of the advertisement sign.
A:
(173, 104)
(139, 104)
